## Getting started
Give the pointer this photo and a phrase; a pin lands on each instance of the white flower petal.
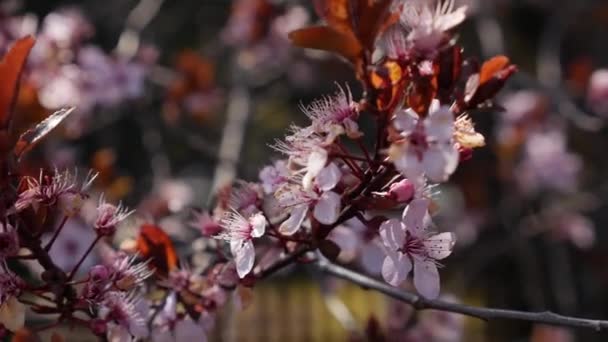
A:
(406, 161)
(392, 233)
(440, 246)
(405, 121)
(293, 223)
(414, 214)
(440, 162)
(395, 268)
(244, 259)
(327, 209)
(440, 125)
(426, 278)
(258, 222)
(328, 177)
(316, 162)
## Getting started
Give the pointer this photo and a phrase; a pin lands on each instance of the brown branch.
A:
(421, 303)
(283, 262)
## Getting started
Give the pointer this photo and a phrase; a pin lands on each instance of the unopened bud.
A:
(402, 191)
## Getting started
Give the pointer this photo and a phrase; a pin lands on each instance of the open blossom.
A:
(334, 116)
(299, 144)
(12, 312)
(128, 273)
(108, 217)
(428, 144)
(297, 200)
(409, 245)
(62, 187)
(125, 316)
(239, 232)
(426, 25)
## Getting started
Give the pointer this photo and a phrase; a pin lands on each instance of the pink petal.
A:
(328, 177)
(258, 222)
(244, 258)
(414, 214)
(293, 223)
(426, 277)
(392, 233)
(327, 208)
(395, 268)
(440, 246)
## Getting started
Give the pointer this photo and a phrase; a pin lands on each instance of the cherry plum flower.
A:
(597, 94)
(426, 25)
(239, 232)
(169, 327)
(409, 245)
(428, 144)
(109, 216)
(334, 115)
(125, 314)
(325, 203)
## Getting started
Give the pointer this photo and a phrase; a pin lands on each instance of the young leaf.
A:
(327, 39)
(153, 243)
(32, 136)
(491, 67)
(11, 67)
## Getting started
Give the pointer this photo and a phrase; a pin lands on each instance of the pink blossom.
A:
(109, 216)
(273, 176)
(206, 224)
(426, 26)
(408, 243)
(334, 115)
(239, 232)
(125, 314)
(428, 145)
(297, 201)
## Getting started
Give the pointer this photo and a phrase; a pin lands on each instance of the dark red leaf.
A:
(154, 244)
(327, 39)
(11, 67)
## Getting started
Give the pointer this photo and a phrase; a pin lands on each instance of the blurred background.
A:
(177, 98)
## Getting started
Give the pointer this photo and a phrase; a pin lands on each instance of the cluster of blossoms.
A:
(65, 70)
(418, 92)
(419, 95)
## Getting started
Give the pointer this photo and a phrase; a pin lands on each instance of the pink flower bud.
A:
(402, 191)
(99, 273)
(597, 95)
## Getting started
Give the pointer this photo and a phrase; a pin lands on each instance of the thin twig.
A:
(421, 303)
(284, 262)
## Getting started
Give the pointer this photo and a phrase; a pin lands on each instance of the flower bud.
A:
(402, 191)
